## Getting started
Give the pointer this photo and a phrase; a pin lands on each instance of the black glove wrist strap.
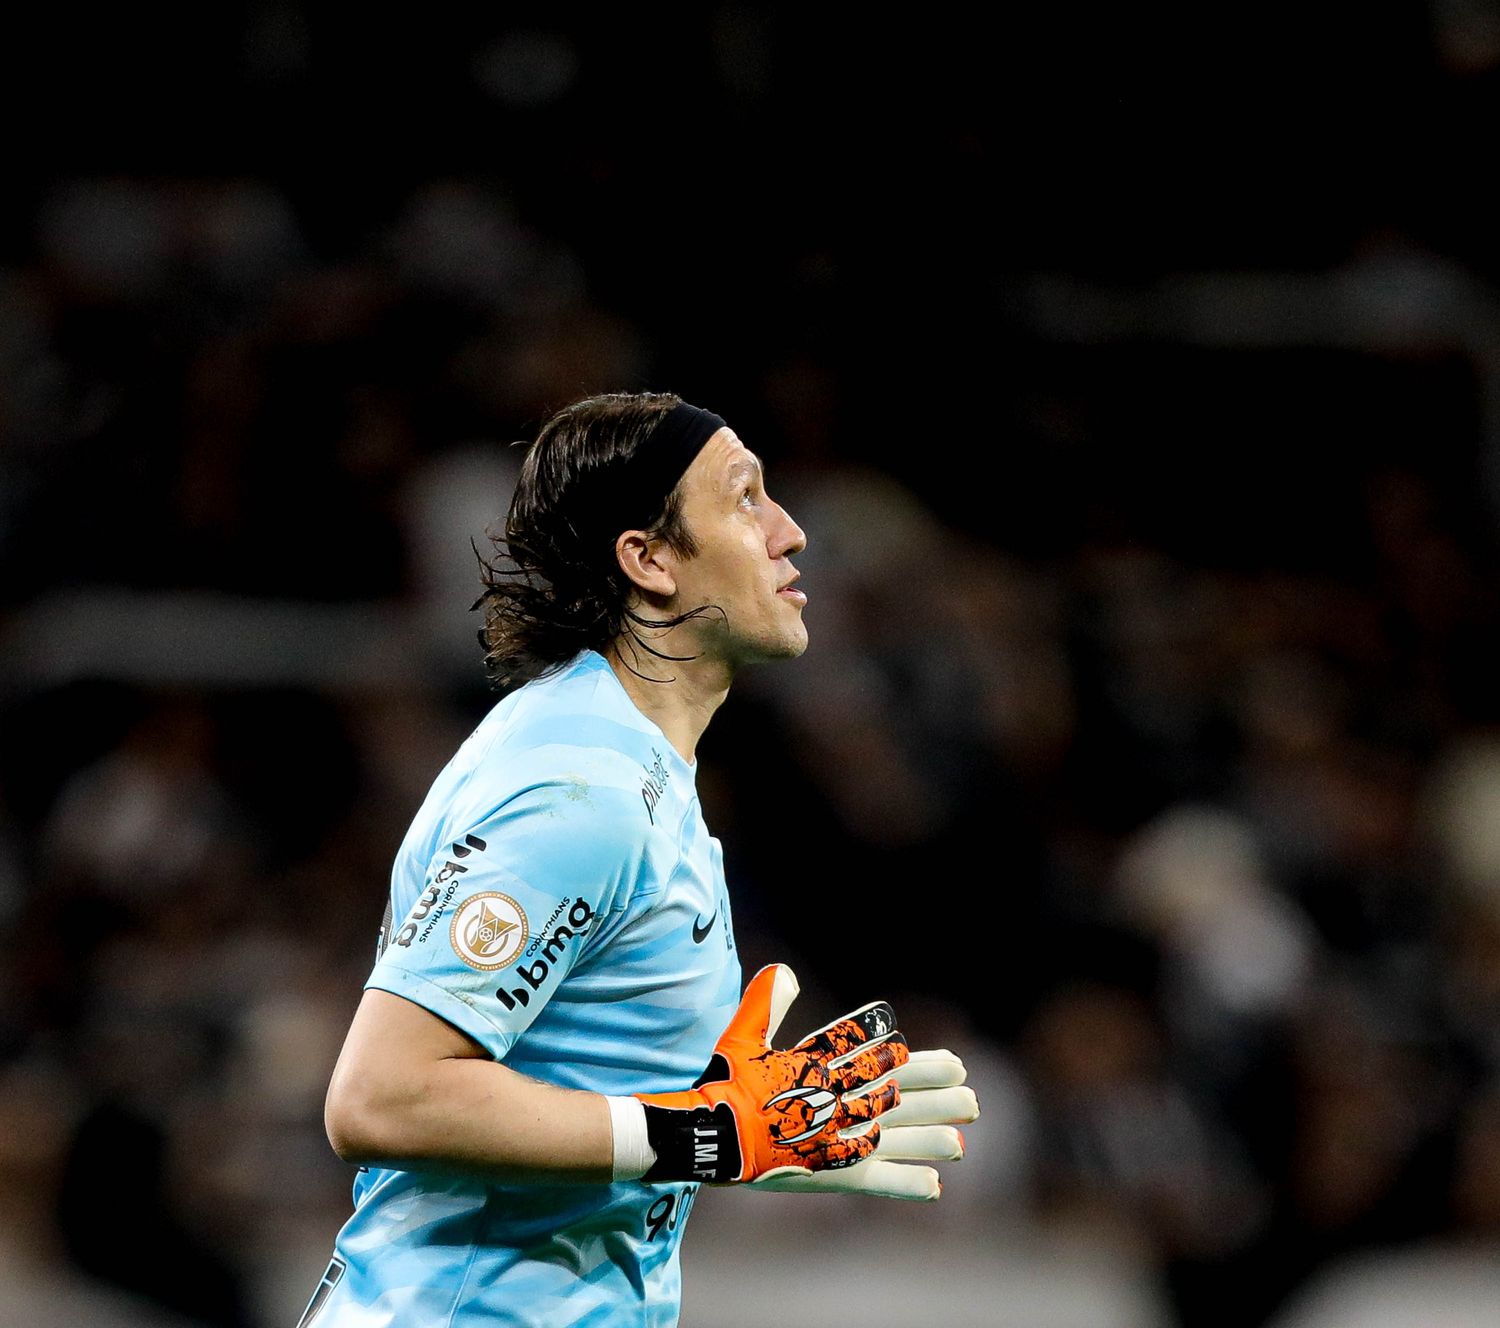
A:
(694, 1143)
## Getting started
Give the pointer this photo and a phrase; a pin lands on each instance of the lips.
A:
(789, 591)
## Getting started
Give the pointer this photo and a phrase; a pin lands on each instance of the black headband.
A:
(632, 496)
(631, 493)
(668, 450)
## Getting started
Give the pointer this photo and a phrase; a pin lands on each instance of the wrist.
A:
(633, 1154)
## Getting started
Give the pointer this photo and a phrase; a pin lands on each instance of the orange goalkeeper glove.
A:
(755, 1111)
(922, 1129)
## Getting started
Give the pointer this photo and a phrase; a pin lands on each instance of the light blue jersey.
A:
(559, 899)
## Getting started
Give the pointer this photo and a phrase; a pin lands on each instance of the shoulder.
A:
(564, 756)
(573, 728)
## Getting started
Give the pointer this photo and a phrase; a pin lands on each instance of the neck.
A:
(681, 707)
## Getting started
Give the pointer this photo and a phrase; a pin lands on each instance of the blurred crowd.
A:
(1190, 845)
(1203, 859)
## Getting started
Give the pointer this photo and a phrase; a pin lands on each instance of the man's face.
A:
(744, 542)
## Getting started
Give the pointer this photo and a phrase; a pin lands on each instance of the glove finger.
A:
(920, 1143)
(893, 1180)
(878, 1178)
(934, 1106)
(762, 1008)
(924, 1070)
(933, 1069)
(841, 1152)
(871, 1063)
(867, 1106)
(867, 1024)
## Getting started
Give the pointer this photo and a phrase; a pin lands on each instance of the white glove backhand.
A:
(920, 1128)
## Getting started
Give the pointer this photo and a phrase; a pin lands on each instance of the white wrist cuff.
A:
(634, 1156)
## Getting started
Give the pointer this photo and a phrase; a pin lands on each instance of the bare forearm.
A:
(409, 1091)
(474, 1117)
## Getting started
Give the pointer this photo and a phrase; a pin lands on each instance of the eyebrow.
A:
(747, 466)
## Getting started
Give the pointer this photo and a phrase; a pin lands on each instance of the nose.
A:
(786, 537)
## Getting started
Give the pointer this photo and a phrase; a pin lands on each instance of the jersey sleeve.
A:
(511, 905)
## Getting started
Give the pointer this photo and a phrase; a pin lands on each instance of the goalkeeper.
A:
(552, 1052)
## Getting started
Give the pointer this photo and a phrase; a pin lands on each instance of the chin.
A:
(792, 646)
(789, 646)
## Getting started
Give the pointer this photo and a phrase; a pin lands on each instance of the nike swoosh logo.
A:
(701, 930)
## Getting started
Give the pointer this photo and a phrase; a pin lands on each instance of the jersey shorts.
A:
(559, 899)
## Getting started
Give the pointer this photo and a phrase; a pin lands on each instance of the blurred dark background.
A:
(1136, 376)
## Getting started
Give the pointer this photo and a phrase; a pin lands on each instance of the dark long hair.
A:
(553, 585)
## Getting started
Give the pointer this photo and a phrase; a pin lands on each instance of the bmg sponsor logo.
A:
(580, 919)
(439, 894)
(423, 907)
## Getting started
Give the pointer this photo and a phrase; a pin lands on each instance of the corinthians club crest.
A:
(489, 931)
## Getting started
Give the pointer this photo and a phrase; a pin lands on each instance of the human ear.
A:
(648, 563)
